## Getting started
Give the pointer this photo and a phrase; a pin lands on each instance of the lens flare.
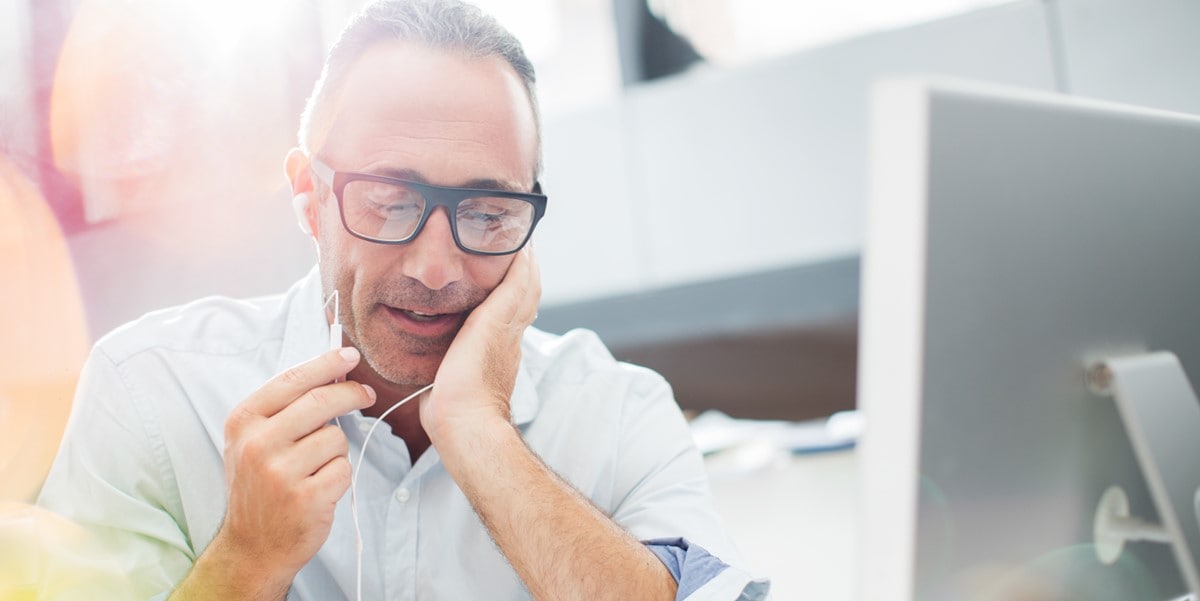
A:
(44, 556)
(45, 336)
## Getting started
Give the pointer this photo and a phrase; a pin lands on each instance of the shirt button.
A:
(364, 426)
(402, 495)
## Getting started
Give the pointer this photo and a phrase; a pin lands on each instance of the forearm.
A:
(560, 544)
(222, 574)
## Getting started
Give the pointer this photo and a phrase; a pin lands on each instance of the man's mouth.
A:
(423, 317)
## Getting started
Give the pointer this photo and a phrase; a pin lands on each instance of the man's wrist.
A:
(224, 572)
(466, 439)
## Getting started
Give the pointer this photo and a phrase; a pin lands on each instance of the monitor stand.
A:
(1162, 418)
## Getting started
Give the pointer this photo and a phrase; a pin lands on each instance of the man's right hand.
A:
(286, 468)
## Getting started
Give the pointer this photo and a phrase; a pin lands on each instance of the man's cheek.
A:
(492, 273)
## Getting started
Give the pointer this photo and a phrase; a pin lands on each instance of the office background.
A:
(707, 223)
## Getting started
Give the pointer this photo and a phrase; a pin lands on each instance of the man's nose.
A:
(433, 258)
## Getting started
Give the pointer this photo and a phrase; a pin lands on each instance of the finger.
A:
(317, 406)
(286, 387)
(506, 301)
(533, 293)
(331, 481)
(522, 289)
(312, 452)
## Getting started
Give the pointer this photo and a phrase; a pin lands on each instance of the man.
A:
(536, 466)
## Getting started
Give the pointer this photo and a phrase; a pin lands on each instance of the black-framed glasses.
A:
(388, 210)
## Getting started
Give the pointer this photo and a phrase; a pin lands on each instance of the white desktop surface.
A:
(794, 521)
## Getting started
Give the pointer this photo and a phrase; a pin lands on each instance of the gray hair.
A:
(449, 25)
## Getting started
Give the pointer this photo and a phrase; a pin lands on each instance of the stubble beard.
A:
(400, 357)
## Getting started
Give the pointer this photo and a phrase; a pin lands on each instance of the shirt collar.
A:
(307, 331)
(307, 335)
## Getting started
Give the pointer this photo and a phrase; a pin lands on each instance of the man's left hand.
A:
(475, 380)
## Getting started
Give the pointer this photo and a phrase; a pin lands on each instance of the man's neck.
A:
(405, 421)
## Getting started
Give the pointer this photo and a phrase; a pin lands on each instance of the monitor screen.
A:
(1014, 239)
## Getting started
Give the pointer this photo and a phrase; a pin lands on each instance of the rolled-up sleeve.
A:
(665, 500)
(701, 576)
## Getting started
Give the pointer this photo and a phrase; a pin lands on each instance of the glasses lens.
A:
(494, 225)
(382, 211)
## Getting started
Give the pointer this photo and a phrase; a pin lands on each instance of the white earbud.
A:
(300, 206)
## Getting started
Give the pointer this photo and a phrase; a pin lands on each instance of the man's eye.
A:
(482, 217)
(395, 210)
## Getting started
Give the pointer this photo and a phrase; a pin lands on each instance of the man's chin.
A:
(402, 357)
(405, 369)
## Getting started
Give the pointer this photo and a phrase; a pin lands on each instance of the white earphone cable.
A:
(335, 341)
(354, 485)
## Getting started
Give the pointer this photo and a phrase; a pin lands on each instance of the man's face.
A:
(415, 113)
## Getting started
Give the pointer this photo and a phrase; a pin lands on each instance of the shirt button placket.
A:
(402, 529)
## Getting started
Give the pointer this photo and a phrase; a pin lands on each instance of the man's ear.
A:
(304, 194)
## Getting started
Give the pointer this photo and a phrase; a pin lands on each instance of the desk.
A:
(794, 522)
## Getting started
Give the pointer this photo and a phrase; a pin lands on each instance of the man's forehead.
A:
(415, 74)
(406, 94)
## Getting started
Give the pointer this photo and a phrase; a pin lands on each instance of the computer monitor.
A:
(1016, 239)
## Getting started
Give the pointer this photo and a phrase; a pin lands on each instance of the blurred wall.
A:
(725, 172)
(701, 176)
(1142, 52)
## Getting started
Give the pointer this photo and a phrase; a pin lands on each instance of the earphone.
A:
(335, 342)
(300, 206)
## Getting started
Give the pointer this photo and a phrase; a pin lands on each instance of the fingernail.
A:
(349, 353)
(370, 392)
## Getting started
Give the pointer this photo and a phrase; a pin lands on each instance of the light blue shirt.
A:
(141, 460)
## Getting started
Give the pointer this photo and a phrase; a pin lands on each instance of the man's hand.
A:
(286, 468)
(560, 545)
(475, 380)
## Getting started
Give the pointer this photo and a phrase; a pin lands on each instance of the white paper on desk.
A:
(715, 431)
